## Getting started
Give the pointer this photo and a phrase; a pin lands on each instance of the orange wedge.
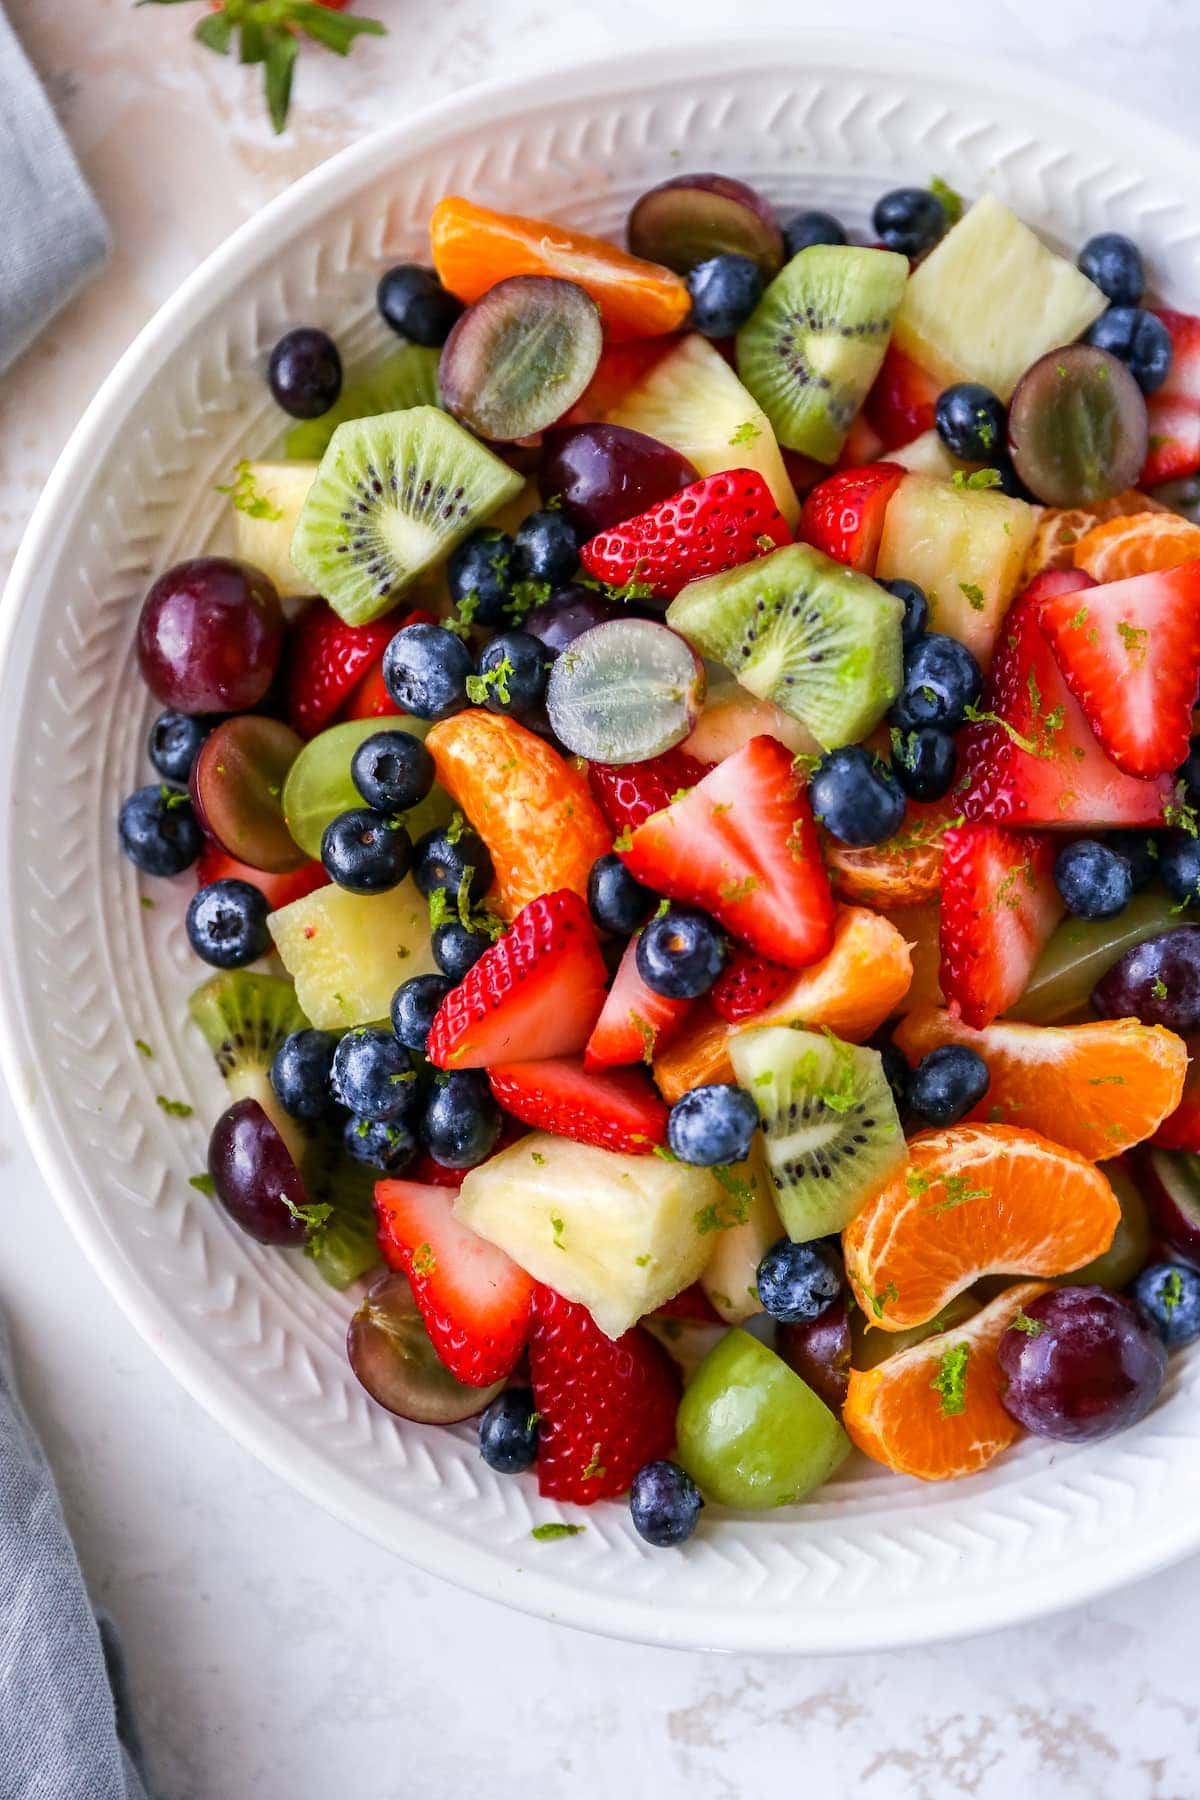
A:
(1137, 546)
(920, 926)
(532, 808)
(1059, 529)
(974, 1200)
(934, 1410)
(1097, 1089)
(905, 870)
(474, 248)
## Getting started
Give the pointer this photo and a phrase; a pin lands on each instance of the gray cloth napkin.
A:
(52, 234)
(65, 1732)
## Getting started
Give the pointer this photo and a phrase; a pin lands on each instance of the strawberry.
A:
(1130, 652)
(426, 1170)
(215, 864)
(999, 906)
(474, 1299)
(370, 698)
(804, 472)
(326, 659)
(615, 1109)
(843, 516)
(902, 401)
(714, 524)
(692, 1304)
(635, 1022)
(1173, 413)
(536, 992)
(605, 1407)
(628, 793)
(1182, 1130)
(1035, 760)
(621, 367)
(863, 445)
(747, 985)
(742, 844)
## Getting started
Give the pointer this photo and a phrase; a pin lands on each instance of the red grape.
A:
(210, 635)
(256, 1180)
(1170, 1184)
(819, 1352)
(606, 473)
(689, 218)
(237, 791)
(1080, 1364)
(568, 613)
(391, 1354)
(1157, 981)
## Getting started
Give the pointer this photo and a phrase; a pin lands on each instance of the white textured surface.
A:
(275, 1653)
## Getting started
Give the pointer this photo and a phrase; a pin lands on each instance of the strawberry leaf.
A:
(337, 31)
(277, 76)
(215, 32)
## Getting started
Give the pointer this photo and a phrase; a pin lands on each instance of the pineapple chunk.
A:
(692, 400)
(965, 547)
(729, 1277)
(991, 299)
(732, 715)
(266, 501)
(620, 1234)
(927, 455)
(348, 953)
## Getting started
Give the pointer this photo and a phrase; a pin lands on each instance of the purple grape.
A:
(256, 1180)
(1080, 1364)
(1157, 982)
(209, 636)
(392, 1356)
(689, 218)
(520, 357)
(1170, 1185)
(819, 1352)
(236, 788)
(606, 473)
(568, 613)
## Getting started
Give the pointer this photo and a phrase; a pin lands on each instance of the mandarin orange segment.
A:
(699, 1054)
(934, 1410)
(974, 1200)
(532, 808)
(474, 248)
(905, 870)
(1059, 529)
(1097, 1089)
(1137, 546)
(921, 928)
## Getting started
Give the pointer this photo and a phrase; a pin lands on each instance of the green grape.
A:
(1130, 1249)
(870, 1346)
(1081, 951)
(318, 785)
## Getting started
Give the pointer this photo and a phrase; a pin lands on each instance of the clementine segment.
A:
(1137, 545)
(1060, 529)
(974, 1200)
(905, 870)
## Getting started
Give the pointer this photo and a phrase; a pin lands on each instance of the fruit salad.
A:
(688, 782)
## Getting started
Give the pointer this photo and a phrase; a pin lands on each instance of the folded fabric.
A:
(52, 233)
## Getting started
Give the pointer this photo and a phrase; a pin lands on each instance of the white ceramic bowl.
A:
(873, 1560)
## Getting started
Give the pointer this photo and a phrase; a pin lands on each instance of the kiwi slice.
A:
(795, 627)
(243, 1019)
(393, 495)
(343, 1244)
(814, 343)
(409, 377)
(831, 1131)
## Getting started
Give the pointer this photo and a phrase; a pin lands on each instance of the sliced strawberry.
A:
(715, 524)
(621, 367)
(747, 985)
(902, 400)
(370, 699)
(614, 1109)
(628, 793)
(605, 1407)
(999, 906)
(326, 658)
(215, 864)
(1173, 413)
(803, 471)
(863, 445)
(691, 1303)
(635, 1022)
(1182, 1130)
(475, 1301)
(424, 1169)
(742, 844)
(1131, 656)
(843, 516)
(536, 992)
(1036, 760)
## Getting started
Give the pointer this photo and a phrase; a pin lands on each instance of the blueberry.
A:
(227, 924)
(617, 902)
(924, 762)
(712, 1124)
(941, 680)
(414, 1004)
(910, 220)
(664, 1504)
(1139, 340)
(373, 1075)
(456, 948)
(1179, 868)
(415, 304)
(1168, 1296)
(425, 669)
(856, 796)
(455, 859)
(1094, 881)
(481, 573)
(174, 743)
(895, 1071)
(305, 372)
(462, 1120)
(158, 830)
(946, 1084)
(1010, 482)
(508, 1436)
(511, 675)
(1189, 772)
(546, 548)
(381, 1144)
(971, 421)
(300, 1073)
(807, 228)
(366, 852)
(796, 1282)
(680, 953)
(1114, 263)
(392, 770)
(916, 609)
(725, 290)
(1140, 850)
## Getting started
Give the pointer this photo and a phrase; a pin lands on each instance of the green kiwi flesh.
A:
(813, 345)
(795, 627)
(343, 1244)
(408, 377)
(243, 1018)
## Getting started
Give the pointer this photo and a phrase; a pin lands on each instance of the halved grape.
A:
(319, 787)
(1077, 429)
(520, 357)
(391, 1354)
(255, 1179)
(236, 787)
(1171, 1184)
(604, 474)
(1080, 952)
(684, 221)
(625, 691)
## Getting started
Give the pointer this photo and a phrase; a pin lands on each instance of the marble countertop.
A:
(273, 1653)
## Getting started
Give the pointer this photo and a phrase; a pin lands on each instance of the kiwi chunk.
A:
(820, 640)
(831, 1131)
(243, 1019)
(343, 1244)
(408, 377)
(814, 343)
(393, 495)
